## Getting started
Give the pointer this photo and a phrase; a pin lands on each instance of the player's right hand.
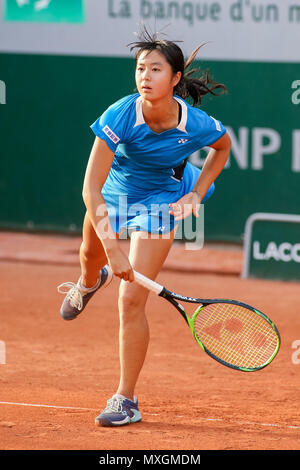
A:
(120, 265)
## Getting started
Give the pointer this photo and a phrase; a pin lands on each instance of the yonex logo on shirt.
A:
(182, 141)
(111, 134)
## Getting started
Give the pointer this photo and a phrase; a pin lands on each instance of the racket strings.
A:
(236, 335)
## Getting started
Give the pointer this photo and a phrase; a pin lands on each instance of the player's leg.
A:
(92, 254)
(95, 274)
(146, 256)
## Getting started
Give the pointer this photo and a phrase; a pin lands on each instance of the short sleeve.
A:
(210, 130)
(109, 126)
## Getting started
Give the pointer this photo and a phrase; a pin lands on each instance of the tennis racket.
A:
(233, 333)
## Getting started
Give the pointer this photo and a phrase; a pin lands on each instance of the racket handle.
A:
(148, 283)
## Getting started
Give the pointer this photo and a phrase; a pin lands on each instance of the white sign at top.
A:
(242, 30)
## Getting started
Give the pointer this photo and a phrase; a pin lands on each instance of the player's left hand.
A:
(185, 206)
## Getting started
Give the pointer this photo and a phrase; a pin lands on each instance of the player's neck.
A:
(162, 114)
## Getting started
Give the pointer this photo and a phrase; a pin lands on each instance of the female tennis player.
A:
(138, 179)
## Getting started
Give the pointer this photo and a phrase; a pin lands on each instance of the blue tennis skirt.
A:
(147, 210)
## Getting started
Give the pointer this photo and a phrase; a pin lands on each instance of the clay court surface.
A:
(58, 375)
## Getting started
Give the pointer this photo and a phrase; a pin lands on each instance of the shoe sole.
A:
(108, 424)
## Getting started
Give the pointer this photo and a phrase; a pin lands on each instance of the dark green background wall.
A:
(45, 138)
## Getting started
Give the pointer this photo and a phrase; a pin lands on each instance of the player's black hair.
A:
(188, 86)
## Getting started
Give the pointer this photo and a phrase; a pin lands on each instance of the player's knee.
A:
(131, 306)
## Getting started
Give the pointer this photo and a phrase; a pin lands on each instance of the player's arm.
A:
(98, 167)
(213, 165)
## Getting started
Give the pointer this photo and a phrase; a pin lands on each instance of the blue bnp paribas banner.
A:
(63, 62)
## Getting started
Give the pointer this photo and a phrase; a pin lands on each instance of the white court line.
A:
(252, 423)
(240, 423)
(47, 406)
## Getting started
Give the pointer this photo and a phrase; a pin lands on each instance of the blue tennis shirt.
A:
(145, 160)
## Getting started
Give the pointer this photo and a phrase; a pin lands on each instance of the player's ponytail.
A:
(197, 87)
(188, 86)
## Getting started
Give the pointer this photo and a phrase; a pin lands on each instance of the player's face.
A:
(154, 76)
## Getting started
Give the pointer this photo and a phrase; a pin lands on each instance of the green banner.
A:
(45, 157)
(44, 11)
(272, 247)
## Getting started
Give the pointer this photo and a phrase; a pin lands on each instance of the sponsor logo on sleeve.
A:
(112, 136)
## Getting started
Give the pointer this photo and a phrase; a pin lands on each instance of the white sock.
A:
(87, 289)
(125, 398)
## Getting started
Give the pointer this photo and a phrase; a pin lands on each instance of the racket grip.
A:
(147, 283)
